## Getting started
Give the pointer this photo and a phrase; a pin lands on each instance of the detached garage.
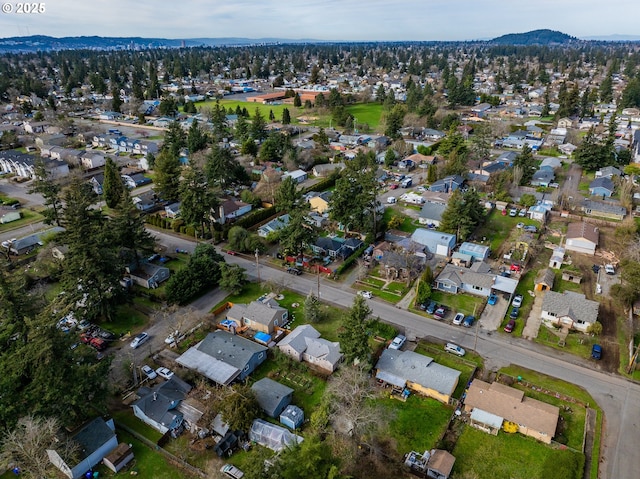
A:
(435, 242)
(582, 238)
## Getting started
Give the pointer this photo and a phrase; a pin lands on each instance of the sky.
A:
(350, 20)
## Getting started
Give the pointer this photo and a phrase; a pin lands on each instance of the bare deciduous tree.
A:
(26, 446)
(351, 390)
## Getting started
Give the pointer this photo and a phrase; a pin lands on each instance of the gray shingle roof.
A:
(419, 369)
(570, 304)
(157, 403)
(229, 348)
(459, 275)
(270, 394)
(297, 338)
(432, 211)
(93, 436)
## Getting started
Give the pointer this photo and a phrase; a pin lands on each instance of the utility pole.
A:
(318, 270)
(258, 265)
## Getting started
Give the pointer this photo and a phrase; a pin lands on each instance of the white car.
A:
(165, 373)
(454, 349)
(232, 471)
(458, 318)
(366, 294)
(517, 301)
(149, 372)
(398, 342)
(609, 269)
(172, 338)
(139, 340)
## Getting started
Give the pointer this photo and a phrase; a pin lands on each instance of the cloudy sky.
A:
(323, 19)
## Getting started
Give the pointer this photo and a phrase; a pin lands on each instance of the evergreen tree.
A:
(381, 95)
(394, 122)
(197, 202)
(112, 186)
(353, 337)
(463, 214)
(129, 232)
(242, 128)
(296, 101)
(258, 126)
(174, 139)
(287, 196)
(432, 173)
(389, 157)
(116, 103)
(286, 116)
(527, 163)
(312, 310)
(232, 278)
(196, 138)
(167, 180)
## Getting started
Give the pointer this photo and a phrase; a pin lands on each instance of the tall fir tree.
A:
(112, 185)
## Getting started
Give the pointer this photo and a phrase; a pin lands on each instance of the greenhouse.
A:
(274, 437)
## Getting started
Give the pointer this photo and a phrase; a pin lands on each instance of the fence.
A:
(151, 445)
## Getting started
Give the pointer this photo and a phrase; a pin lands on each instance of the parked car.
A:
(431, 308)
(139, 340)
(493, 299)
(522, 212)
(232, 471)
(510, 326)
(165, 373)
(530, 229)
(292, 270)
(595, 268)
(609, 269)
(149, 372)
(504, 213)
(84, 324)
(468, 321)
(393, 186)
(398, 342)
(231, 252)
(596, 351)
(516, 267)
(514, 313)
(513, 212)
(517, 301)
(440, 313)
(365, 294)
(520, 225)
(454, 349)
(457, 319)
(172, 338)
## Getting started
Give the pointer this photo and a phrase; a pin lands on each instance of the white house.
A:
(582, 238)
(436, 242)
(569, 309)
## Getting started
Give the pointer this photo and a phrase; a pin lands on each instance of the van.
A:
(406, 183)
(392, 200)
(596, 352)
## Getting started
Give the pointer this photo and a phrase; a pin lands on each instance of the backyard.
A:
(463, 303)
(497, 228)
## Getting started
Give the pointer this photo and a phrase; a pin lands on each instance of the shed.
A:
(11, 216)
(582, 238)
(436, 242)
(272, 396)
(292, 417)
(476, 251)
(119, 457)
(557, 258)
(571, 275)
(544, 280)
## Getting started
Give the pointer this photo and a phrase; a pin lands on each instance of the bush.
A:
(349, 261)
(378, 328)
(190, 231)
(176, 224)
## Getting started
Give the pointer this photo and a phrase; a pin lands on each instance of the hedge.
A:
(350, 260)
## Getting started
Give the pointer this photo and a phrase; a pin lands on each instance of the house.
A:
(18, 163)
(550, 163)
(603, 209)
(148, 275)
(305, 344)
(490, 168)
(569, 309)
(431, 214)
(477, 251)
(582, 238)
(447, 184)
(507, 158)
(231, 209)
(544, 280)
(298, 176)
(326, 169)
(292, 417)
(135, 180)
(557, 258)
(608, 172)
(274, 225)
(418, 373)
(543, 177)
(272, 396)
(117, 459)
(272, 436)
(95, 441)
(320, 202)
(436, 242)
(565, 123)
(91, 161)
(567, 148)
(333, 247)
(224, 357)
(27, 244)
(259, 316)
(420, 159)
(602, 186)
(96, 183)
(172, 210)
(497, 403)
(539, 212)
(477, 280)
(146, 201)
(157, 407)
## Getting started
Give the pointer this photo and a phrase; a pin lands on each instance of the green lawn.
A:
(28, 217)
(417, 424)
(128, 319)
(407, 225)
(505, 456)
(497, 229)
(127, 418)
(251, 108)
(464, 303)
(575, 343)
(369, 113)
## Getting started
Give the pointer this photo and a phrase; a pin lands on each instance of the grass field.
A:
(369, 113)
(251, 108)
(463, 303)
(407, 225)
(505, 456)
(28, 217)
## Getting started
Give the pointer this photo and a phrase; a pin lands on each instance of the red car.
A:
(231, 253)
(510, 326)
(393, 186)
(516, 267)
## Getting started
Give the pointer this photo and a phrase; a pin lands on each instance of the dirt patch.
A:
(609, 337)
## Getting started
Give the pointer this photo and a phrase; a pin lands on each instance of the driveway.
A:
(534, 320)
(492, 316)
(607, 280)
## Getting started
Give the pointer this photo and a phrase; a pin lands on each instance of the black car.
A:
(595, 268)
(431, 308)
(292, 270)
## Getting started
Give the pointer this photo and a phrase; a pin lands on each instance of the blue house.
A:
(224, 357)
(272, 396)
(543, 178)
(448, 184)
(157, 407)
(435, 242)
(601, 187)
(96, 440)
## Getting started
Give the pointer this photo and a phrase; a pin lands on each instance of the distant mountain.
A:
(614, 38)
(535, 37)
(41, 42)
